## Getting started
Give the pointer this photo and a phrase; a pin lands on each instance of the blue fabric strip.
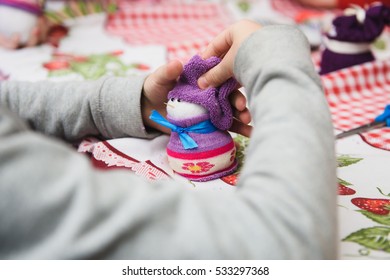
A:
(188, 143)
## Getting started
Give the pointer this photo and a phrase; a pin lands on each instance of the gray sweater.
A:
(55, 205)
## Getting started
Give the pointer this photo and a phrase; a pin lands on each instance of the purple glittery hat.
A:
(215, 100)
(364, 26)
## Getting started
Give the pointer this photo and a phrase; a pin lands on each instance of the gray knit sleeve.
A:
(108, 107)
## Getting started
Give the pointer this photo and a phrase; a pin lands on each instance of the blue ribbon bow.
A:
(188, 143)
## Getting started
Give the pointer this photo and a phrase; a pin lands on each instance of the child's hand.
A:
(38, 35)
(242, 116)
(155, 92)
(225, 46)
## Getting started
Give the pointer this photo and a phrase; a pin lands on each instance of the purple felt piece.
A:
(215, 100)
(350, 29)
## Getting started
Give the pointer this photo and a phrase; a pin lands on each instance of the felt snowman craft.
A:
(19, 17)
(348, 42)
(200, 148)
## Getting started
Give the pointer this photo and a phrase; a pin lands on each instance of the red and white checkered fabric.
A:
(356, 95)
(185, 29)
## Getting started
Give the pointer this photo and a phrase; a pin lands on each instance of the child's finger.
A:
(241, 128)
(243, 116)
(240, 111)
(166, 76)
(219, 74)
(160, 82)
(238, 100)
(218, 46)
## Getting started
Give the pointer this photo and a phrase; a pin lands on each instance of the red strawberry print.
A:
(373, 205)
(230, 179)
(56, 65)
(344, 190)
(69, 57)
(80, 58)
(62, 56)
(143, 67)
(117, 52)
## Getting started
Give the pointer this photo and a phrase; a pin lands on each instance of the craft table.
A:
(118, 46)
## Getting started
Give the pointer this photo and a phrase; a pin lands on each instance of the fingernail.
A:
(202, 82)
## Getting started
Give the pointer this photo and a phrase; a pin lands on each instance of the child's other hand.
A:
(242, 116)
(225, 46)
(155, 92)
(38, 35)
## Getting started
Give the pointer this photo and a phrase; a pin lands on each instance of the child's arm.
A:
(290, 167)
(290, 173)
(108, 108)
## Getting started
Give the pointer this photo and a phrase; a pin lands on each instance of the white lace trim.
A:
(103, 153)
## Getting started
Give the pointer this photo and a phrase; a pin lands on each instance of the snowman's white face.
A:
(178, 109)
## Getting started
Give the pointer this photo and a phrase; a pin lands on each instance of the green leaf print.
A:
(375, 238)
(242, 143)
(59, 73)
(343, 182)
(345, 160)
(380, 219)
(96, 66)
(90, 71)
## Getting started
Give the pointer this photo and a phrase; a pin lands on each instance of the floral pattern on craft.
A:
(232, 155)
(199, 167)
